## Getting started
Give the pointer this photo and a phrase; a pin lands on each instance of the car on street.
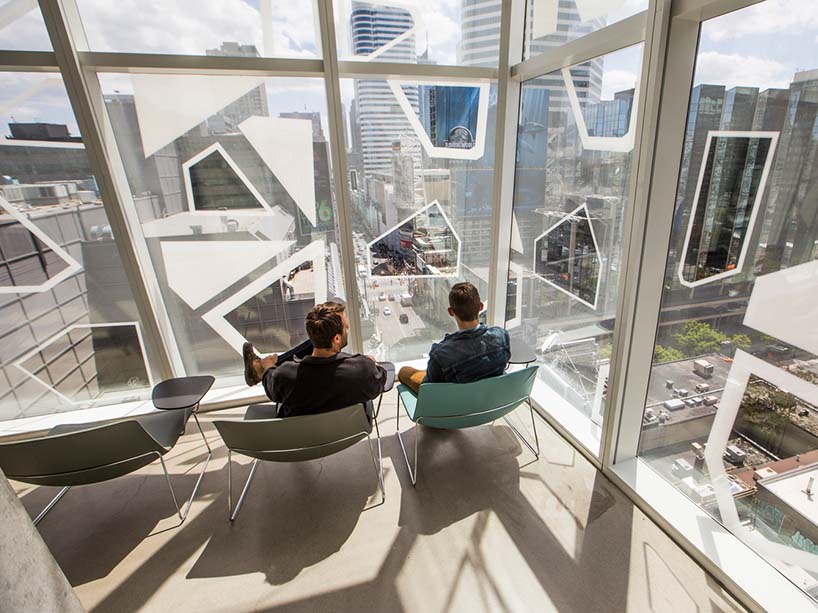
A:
(382, 296)
(391, 297)
(387, 311)
(404, 318)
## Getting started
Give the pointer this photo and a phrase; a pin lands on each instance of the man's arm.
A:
(507, 347)
(375, 378)
(434, 373)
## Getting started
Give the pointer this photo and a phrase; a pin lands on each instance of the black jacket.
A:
(317, 385)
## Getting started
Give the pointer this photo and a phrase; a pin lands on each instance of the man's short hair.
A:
(323, 323)
(465, 301)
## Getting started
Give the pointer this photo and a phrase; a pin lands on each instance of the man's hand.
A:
(269, 361)
(372, 358)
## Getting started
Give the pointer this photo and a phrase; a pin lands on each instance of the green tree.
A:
(666, 354)
(698, 338)
(741, 341)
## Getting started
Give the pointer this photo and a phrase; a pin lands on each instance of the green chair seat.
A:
(409, 400)
(466, 405)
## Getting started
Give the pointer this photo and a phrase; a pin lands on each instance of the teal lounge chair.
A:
(463, 405)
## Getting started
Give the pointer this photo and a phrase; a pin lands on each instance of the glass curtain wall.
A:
(224, 176)
(731, 415)
(575, 144)
(70, 333)
(264, 28)
(242, 238)
(22, 27)
(420, 155)
(551, 23)
(445, 32)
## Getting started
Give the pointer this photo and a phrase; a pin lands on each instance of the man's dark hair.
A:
(323, 323)
(465, 301)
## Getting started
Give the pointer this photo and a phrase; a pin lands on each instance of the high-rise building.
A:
(377, 114)
(703, 115)
(252, 103)
(480, 44)
(156, 178)
(791, 230)
(314, 117)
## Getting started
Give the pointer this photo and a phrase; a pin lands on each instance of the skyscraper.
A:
(252, 103)
(480, 44)
(791, 229)
(377, 113)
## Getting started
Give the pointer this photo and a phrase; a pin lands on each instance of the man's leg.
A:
(411, 377)
(299, 351)
(255, 366)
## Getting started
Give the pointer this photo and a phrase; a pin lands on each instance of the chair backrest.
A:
(61, 459)
(462, 405)
(294, 439)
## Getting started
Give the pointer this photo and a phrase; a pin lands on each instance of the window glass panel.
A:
(551, 23)
(22, 27)
(237, 28)
(731, 415)
(453, 32)
(421, 163)
(574, 153)
(47, 194)
(234, 203)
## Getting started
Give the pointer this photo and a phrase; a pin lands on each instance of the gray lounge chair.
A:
(294, 439)
(81, 454)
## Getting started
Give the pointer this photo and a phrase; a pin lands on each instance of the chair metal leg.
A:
(520, 436)
(235, 512)
(534, 426)
(378, 468)
(198, 482)
(413, 474)
(209, 451)
(183, 514)
(170, 487)
(51, 504)
(380, 456)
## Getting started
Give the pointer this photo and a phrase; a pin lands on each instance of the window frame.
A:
(669, 30)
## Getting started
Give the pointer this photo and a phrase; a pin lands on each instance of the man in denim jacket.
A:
(474, 352)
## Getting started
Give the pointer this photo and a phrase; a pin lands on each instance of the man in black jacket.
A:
(325, 380)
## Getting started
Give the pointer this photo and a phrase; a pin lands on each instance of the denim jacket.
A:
(468, 355)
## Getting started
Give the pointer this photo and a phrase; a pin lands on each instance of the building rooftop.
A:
(791, 488)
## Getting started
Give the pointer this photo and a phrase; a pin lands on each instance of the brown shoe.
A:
(249, 356)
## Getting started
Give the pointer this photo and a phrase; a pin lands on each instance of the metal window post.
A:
(512, 25)
(326, 19)
(626, 345)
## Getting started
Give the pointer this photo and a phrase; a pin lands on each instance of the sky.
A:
(761, 46)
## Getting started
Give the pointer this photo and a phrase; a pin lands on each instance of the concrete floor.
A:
(486, 529)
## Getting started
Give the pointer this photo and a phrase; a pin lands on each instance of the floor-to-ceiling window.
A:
(420, 155)
(731, 414)
(572, 188)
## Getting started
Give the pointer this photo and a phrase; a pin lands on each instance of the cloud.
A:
(765, 18)
(616, 81)
(733, 69)
(26, 33)
(49, 104)
(192, 27)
